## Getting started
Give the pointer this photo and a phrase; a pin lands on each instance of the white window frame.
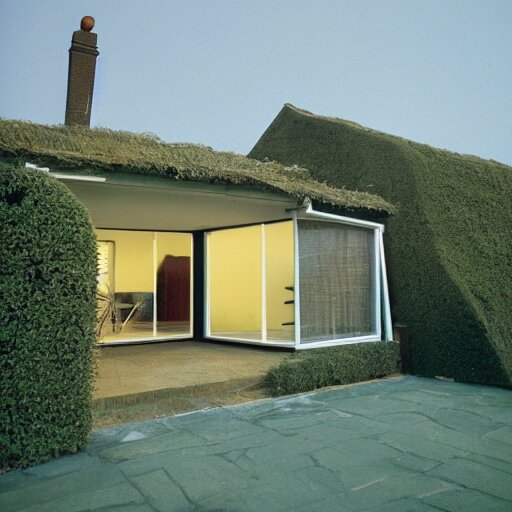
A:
(381, 320)
(156, 336)
(263, 270)
(380, 292)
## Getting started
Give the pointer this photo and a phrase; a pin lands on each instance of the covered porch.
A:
(187, 260)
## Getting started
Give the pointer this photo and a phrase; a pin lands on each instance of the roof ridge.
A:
(413, 143)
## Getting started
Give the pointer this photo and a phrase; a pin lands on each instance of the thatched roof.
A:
(90, 150)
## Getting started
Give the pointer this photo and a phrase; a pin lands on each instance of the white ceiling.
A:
(161, 204)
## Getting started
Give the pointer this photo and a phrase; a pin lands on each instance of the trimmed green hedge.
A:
(47, 318)
(313, 369)
(449, 247)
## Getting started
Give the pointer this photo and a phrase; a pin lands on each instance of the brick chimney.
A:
(82, 67)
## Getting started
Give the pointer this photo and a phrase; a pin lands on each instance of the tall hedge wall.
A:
(449, 247)
(47, 317)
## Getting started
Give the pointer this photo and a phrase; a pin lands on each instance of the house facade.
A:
(195, 244)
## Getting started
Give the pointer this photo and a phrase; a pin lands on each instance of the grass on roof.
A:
(108, 150)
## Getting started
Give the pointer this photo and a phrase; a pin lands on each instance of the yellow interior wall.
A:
(235, 279)
(133, 255)
(174, 244)
(280, 273)
(133, 268)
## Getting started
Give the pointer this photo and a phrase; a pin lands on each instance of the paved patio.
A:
(406, 444)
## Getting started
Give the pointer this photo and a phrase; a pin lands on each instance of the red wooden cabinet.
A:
(173, 289)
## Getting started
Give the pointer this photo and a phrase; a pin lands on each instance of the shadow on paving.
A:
(409, 444)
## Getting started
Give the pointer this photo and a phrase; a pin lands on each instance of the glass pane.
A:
(173, 293)
(280, 278)
(336, 268)
(125, 285)
(235, 283)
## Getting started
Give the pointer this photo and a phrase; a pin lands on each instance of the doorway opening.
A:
(144, 286)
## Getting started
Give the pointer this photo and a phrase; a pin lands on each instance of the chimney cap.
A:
(87, 23)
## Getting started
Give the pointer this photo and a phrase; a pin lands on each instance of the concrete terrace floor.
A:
(404, 444)
(142, 381)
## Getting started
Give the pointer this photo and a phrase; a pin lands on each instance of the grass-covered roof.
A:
(449, 246)
(108, 150)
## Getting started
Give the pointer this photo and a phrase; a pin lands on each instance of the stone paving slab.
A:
(407, 444)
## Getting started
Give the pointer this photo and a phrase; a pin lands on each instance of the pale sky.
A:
(218, 72)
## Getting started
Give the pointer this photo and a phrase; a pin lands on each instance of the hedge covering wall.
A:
(317, 368)
(47, 317)
(449, 247)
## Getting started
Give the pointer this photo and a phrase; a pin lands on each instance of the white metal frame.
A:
(381, 318)
(155, 264)
(263, 249)
(386, 314)
(296, 283)
(207, 285)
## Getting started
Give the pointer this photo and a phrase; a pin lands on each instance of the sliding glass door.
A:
(235, 292)
(144, 285)
(250, 284)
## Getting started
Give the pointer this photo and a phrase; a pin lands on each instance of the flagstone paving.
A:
(408, 444)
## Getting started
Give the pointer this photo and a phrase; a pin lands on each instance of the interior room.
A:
(144, 285)
(203, 261)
